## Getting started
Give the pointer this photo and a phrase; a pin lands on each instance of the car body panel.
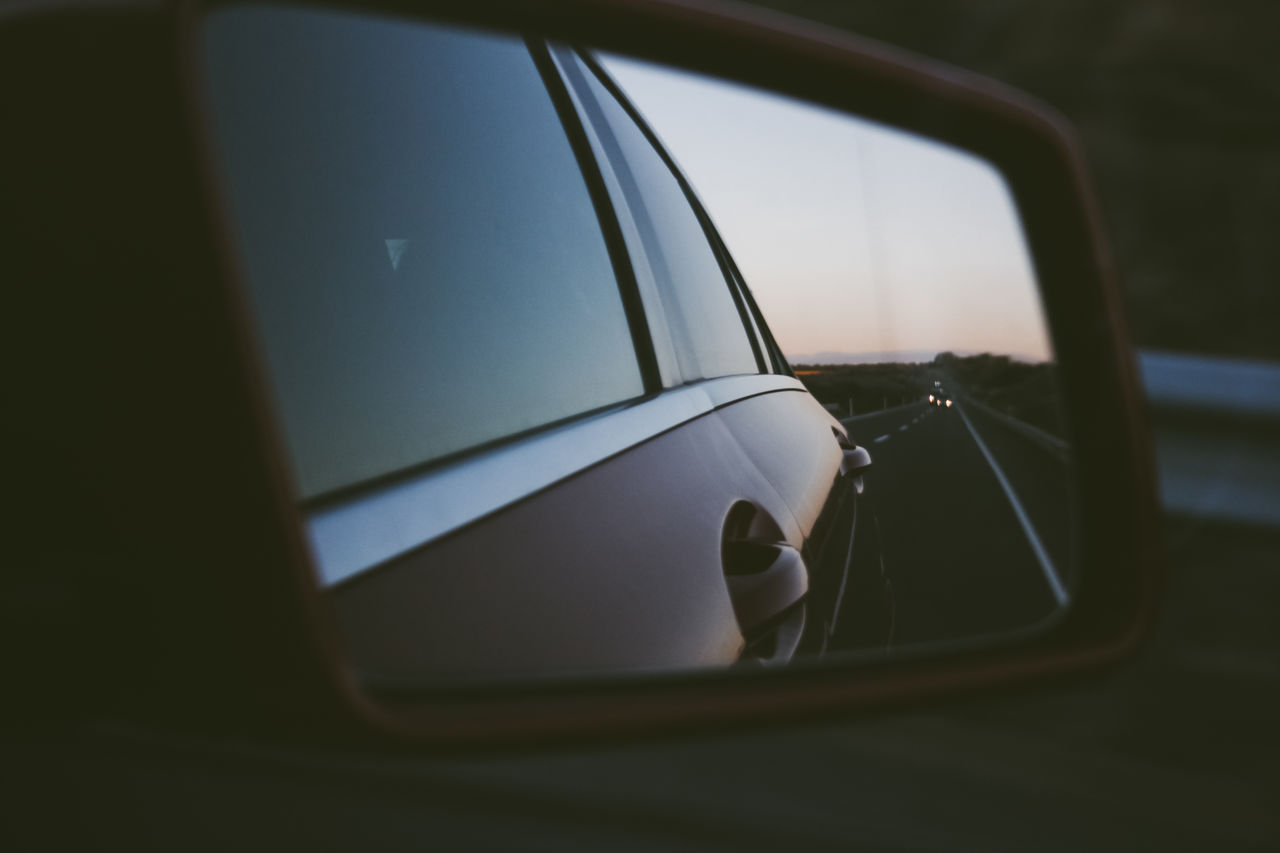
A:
(616, 568)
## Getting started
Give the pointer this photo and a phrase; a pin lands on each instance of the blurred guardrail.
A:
(864, 416)
(1216, 428)
(1058, 447)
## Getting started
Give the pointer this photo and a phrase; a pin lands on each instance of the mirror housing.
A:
(190, 572)
(856, 461)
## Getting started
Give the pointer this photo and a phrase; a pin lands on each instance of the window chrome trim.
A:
(369, 529)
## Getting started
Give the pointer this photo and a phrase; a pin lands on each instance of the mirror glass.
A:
(584, 366)
(893, 272)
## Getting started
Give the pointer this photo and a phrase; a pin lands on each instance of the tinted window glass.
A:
(706, 325)
(421, 251)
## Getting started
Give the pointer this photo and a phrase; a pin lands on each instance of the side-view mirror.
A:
(494, 371)
(856, 461)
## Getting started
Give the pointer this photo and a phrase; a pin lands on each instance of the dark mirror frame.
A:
(233, 635)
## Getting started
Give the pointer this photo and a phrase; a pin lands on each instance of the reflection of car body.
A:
(536, 420)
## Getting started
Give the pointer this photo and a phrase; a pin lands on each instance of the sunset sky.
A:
(855, 238)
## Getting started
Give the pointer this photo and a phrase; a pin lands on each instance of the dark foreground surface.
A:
(1177, 751)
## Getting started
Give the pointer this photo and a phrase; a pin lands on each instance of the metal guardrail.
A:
(866, 415)
(1216, 428)
(1059, 447)
(1219, 386)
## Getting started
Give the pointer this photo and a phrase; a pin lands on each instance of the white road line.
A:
(1046, 565)
(879, 439)
(902, 428)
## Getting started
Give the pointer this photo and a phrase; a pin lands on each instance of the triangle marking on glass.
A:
(395, 251)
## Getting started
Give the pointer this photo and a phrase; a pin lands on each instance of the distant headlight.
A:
(930, 398)
(948, 404)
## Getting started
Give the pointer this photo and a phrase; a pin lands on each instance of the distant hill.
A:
(869, 387)
(887, 357)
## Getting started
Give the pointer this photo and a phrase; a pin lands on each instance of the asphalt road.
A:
(974, 521)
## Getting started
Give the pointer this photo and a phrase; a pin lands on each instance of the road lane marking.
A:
(879, 439)
(902, 428)
(1046, 564)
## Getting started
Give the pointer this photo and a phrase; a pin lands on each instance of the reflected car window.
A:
(706, 324)
(421, 252)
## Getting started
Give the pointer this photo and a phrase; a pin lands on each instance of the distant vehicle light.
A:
(948, 404)
(930, 398)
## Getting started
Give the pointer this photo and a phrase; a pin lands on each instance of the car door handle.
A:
(765, 580)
